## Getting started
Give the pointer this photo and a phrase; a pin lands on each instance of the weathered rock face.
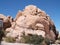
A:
(6, 21)
(32, 20)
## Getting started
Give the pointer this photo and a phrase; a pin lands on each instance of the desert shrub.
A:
(32, 39)
(47, 41)
(10, 39)
(1, 34)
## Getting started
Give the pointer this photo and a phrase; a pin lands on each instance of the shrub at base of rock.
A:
(10, 39)
(1, 34)
(32, 39)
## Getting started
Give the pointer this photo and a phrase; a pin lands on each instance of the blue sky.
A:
(51, 7)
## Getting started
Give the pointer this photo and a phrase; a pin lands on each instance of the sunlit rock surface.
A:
(32, 20)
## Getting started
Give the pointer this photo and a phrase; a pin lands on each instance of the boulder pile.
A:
(31, 20)
(6, 21)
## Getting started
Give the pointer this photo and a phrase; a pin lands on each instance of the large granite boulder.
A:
(32, 20)
(6, 21)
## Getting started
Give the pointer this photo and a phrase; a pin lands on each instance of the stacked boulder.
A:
(6, 21)
(32, 20)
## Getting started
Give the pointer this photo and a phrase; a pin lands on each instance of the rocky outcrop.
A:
(32, 20)
(6, 21)
(2, 16)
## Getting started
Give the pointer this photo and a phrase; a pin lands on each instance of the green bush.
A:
(47, 41)
(10, 39)
(32, 39)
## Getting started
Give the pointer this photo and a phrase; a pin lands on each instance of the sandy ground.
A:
(5, 43)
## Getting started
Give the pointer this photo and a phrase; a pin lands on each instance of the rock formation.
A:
(32, 20)
(6, 21)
